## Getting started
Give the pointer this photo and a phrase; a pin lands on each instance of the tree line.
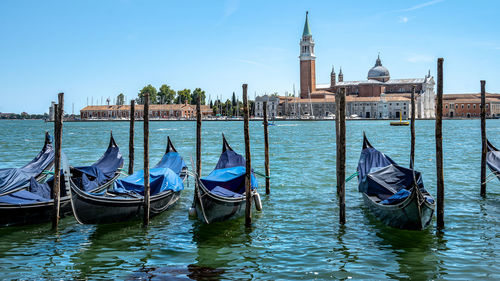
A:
(166, 95)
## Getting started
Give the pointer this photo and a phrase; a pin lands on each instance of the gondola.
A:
(493, 159)
(220, 196)
(35, 204)
(125, 199)
(394, 194)
(16, 179)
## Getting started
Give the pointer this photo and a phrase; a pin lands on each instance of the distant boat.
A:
(493, 159)
(221, 194)
(125, 200)
(394, 194)
(401, 122)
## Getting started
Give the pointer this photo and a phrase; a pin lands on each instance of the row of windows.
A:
(468, 106)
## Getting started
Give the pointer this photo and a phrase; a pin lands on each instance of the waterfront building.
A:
(156, 111)
(366, 95)
(469, 105)
(272, 105)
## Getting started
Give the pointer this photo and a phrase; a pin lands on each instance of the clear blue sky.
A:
(101, 48)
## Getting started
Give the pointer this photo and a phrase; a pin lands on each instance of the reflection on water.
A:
(296, 236)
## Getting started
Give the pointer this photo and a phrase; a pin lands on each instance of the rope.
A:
(352, 176)
(261, 174)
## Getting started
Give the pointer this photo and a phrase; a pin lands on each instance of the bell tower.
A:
(333, 78)
(307, 62)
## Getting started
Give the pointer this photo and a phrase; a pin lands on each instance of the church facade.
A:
(379, 96)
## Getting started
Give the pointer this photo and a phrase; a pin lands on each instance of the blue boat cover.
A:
(160, 180)
(17, 178)
(164, 176)
(232, 179)
(380, 176)
(100, 172)
(173, 161)
(493, 159)
(229, 173)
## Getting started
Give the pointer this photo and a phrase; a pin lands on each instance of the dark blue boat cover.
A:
(229, 173)
(164, 176)
(493, 159)
(380, 176)
(101, 171)
(17, 178)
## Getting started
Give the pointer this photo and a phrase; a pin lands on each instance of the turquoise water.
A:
(296, 236)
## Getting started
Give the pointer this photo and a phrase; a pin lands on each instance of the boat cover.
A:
(493, 159)
(16, 178)
(229, 173)
(100, 172)
(380, 176)
(160, 179)
(173, 161)
(164, 176)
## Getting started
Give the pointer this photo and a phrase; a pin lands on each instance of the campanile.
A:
(307, 62)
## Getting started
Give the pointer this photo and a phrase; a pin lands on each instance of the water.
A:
(296, 236)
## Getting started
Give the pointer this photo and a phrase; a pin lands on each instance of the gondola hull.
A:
(34, 213)
(405, 215)
(218, 208)
(92, 209)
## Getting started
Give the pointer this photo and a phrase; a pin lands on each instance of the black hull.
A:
(92, 209)
(218, 208)
(32, 213)
(405, 215)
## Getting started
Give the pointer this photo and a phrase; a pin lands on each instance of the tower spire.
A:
(307, 30)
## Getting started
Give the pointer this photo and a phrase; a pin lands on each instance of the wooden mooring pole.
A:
(483, 138)
(131, 139)
(198, 137)
(248, 189)
(266, 149)
(146, 159)
(337, 134)
(58, 124)
(439, 146)
(412, 129)
(340, 100)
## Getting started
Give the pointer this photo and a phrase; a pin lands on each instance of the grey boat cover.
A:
(379, 175)
(19, 178)
(493, 159)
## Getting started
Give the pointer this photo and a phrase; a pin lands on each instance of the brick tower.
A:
(307, 62)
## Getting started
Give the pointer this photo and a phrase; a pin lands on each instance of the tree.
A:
(194, 96)
(120, 99)
(211, 104)
(183, 96)
(166, 95)
(234, 99)
(152, 94)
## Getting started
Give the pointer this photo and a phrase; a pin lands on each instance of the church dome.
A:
(379, 72)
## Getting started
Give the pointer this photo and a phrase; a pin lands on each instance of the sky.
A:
(97, 49)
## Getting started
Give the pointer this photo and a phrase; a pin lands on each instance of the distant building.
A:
(377, 84)
(272, 105)
(156, 111)
(469, 105)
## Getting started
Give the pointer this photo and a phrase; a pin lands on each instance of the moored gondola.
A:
(394, 194)
(220, 196)
(125, 199)
(34, 204)
(493, 159)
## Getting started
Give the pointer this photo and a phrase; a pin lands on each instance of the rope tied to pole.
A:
(352, 176)
(261, 174)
